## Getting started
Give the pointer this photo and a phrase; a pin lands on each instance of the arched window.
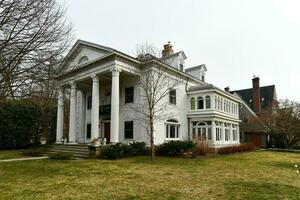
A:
(83, 59)
(207, 102)
(227, 131)
(200, 103)
(193, 103)
(172, 129)
(201, 130)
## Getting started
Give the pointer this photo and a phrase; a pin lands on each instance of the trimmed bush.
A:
(175, 148)
(60, 156)
(233, 149)
(120, 150)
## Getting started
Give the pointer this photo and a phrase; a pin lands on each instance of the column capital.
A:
(115, 70)
(72, 84)
(95, 78)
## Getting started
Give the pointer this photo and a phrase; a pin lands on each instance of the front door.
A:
(107, 132)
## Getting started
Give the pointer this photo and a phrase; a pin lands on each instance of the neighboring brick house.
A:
(256, 110)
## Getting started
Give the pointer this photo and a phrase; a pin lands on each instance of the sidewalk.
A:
(21, 159)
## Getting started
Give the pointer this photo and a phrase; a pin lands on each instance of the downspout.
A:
(186, 84)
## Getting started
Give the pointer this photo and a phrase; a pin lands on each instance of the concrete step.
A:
(78, 150)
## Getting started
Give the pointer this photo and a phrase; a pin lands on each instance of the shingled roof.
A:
(266, 95)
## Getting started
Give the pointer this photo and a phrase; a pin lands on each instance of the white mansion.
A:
(103, 94)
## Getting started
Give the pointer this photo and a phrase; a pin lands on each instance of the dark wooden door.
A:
(107, 132)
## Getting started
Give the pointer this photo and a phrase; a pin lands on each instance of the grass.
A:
(11, 154)
(255, 175)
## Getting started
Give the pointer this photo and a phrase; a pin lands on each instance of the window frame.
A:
(174, 124)
(129, 99)
(172, 97)
(130, 129)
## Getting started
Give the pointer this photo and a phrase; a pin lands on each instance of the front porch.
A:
(95, 105)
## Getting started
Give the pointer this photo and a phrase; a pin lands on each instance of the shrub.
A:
(202, 148)
(176, 148)
(139, 148)
(60, 156)
(123, 150)
(226, 150)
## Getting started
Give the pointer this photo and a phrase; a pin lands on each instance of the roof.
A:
(201, 87)
(211, 87)
(266, 93)
(174, 54)
(119, 53)
(196, 67)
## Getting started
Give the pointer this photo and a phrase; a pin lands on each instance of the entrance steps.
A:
(77, 150)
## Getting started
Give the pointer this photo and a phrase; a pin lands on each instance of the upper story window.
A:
(193, 103)
(129, 95)
(172, 96)
(200, 103)
(83, 59)
(89, 102)
(207, 102)
(172, 129)
(203, 78)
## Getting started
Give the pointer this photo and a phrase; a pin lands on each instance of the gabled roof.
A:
(254, 124)
(174, 54)
(266, 93)
(196, 67)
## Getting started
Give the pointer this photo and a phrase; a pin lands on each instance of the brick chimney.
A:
(256, 95)
(227, 89)
(168, 50)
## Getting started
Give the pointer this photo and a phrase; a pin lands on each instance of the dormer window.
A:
(181, 67)
(83, 59)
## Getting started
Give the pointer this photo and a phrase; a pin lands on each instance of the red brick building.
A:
(259, 103)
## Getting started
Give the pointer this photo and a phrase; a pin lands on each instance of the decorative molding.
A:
(115, 69)
(73, 85)
(95, 78)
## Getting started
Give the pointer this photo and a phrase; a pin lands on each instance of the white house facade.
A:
(101, 85)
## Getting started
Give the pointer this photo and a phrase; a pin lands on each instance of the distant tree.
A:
(286, 123)
(34, 34)
(154, 83)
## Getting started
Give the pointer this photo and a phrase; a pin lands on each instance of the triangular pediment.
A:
(83, 52)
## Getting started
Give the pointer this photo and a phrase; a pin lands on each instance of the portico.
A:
(78, 103)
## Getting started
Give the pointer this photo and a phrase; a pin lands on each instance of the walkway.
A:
(21, 159)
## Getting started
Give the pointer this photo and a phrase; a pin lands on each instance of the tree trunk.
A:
(152, 139)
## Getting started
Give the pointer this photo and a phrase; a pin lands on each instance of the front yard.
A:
(255, 175)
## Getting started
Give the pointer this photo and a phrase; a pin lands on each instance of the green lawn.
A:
(255, 175)
(11, 154)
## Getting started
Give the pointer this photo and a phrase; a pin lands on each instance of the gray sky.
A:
(236, 39)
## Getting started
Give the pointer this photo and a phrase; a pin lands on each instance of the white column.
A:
(81, 121)
(223, 133)
(213, 132)
(73, 105)
(115, 97)
(238, 133)
(60, 116)
(95, 108)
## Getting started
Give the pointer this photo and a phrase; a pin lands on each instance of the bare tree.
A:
(33, 33)
(155, 83)
(286, 126)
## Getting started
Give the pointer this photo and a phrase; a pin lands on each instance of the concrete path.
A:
(22, 159)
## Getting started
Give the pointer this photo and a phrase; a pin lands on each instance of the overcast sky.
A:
(235, 39)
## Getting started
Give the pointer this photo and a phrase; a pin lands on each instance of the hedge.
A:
(22, 121)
